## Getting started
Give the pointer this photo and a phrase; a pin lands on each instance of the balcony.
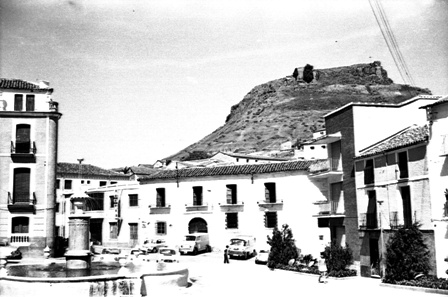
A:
(368, 221)
(23, 150)
(330, 208)
(157, 209)
(22, 202)
(270, 206)
(196, 208)
(330, 166)
(237, 207)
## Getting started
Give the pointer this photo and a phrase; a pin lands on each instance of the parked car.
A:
(195, 243)
(242, 246)
(109, 255)
(153, 245)
(168, 255)
(262, 256)
(11, 252)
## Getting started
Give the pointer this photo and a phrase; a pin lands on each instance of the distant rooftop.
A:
(87, 170)
(231, 170)
(18, 84)
(404, 138)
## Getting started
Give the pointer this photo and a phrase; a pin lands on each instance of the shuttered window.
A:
(18, 102)
(160, 228)
(23, 140)
(232, 220)
(197, 195)
(160, 199)
(133, 231)
(231, 194)
(21, 189)
(269, 192)
(133, 200)
(113, 233)
(270, 219)
(29, 102)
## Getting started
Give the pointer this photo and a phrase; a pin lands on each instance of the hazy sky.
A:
(138, 81)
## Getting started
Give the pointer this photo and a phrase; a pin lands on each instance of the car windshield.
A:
(190, 238)
(237, 241)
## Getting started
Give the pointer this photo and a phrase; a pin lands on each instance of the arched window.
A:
(21, 188)
(20, 225)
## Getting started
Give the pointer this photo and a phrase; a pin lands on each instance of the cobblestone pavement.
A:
(211, 277)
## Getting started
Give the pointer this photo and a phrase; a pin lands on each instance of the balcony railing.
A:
(271, 206)
(21, 202)
(368, 221)
(190, 207)
(23, 148)
(158, 209)
(394, 220)
(22, 239)
(237, 207)
(329, 165)
(330, 207)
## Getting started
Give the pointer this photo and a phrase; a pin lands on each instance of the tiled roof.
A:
(231, 170)
(407, 137)
(86, 169)
(440, 101)
(142, 170)
(19, 84)
(255, 157)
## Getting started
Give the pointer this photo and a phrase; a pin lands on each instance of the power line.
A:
(391, 42)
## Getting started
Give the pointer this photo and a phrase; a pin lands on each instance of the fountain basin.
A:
(135, 280)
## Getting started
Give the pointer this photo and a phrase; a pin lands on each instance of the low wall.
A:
(105, 285)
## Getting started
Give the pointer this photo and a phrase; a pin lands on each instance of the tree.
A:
(338, 257)
(406, 254)
(283, 247)
(295, 74)
(308, 75)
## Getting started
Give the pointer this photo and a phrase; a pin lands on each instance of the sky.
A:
(138, 81)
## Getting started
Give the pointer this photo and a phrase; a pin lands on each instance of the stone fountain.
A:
(79, 255)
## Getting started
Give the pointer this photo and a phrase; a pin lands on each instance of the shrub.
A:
(406, 254)
(283, 247)
(338, 257)
(308, 75)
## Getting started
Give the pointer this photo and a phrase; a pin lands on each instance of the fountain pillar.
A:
(78, 255)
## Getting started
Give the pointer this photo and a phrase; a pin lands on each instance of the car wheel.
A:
(154, 250)
(195, 251)
(209, 249)
(257, 262)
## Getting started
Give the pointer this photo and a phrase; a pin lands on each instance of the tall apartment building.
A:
(28, 155)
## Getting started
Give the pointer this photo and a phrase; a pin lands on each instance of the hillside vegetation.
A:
(289, 109)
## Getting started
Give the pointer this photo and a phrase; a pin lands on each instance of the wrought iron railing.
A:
(368, 220)
(23, 148)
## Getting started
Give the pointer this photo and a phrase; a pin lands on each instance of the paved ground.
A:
(210, 277)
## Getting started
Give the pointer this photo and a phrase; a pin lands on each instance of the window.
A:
(29, 102)
(68, 184)
(88, 182)
(407, 209)
(369, 174)
(58, 183)
(97, 201)
(18, 102)
(133, 231)
(231, 194)
(21, 188)
(58, 207)
(269, 192)
(133, 200)
(403, 164)
(160, 199)
(113, 232)
(197, 195)
(23, 138)
(371, 210)
(113, 201)
(113, 182)
(270, 219)
(160, 228)
(335, 192)
(82, 181)
(232, 220)
(20, 225)
(103, 183)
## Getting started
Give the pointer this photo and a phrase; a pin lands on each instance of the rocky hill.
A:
(290, 109)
